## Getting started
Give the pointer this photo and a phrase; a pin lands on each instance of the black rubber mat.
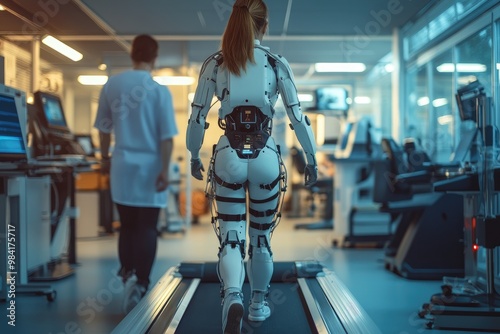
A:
(204, 313)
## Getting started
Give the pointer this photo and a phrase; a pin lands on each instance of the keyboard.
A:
(62, 157)
(8, 166)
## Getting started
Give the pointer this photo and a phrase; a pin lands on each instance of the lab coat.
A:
(140, 113)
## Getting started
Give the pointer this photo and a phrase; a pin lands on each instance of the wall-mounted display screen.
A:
(331, 98)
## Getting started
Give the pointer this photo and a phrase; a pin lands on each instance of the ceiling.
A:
(303, 31)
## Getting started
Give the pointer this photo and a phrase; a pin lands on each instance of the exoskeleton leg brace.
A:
(230, 180)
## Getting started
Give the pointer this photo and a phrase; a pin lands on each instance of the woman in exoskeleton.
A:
(246, 165)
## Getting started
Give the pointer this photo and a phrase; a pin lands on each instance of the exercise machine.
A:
(305, 297)
(427, 242)
(472, 302)
(357, 219)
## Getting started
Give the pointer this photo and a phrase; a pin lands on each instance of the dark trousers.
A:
(138, 239)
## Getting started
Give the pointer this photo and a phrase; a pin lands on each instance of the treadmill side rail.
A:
(315, 311)
(354, 318)
(183, 306)
(144, 314)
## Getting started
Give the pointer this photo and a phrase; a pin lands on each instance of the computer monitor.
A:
(12, 124)
(466, 100)
(51, 134)
(331, 99)
(86, 143)
(51, 112)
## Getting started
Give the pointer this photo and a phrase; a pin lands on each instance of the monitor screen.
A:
(53, 110)
(466, 100)
(85, 142)
(11, 135)
(331, 98)
(50, 111)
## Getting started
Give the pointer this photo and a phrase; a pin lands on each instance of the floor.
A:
(89, 301)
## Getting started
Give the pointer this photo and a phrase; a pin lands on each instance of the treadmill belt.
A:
(204, 313)
(304, 298)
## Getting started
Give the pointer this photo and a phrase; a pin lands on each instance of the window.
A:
(445, 17)
(444, 108)
(417, 121)
(474, 59)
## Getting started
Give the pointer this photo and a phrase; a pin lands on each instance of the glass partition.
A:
(417, 120)
(432, 114)
(444, 107)
(474, 60)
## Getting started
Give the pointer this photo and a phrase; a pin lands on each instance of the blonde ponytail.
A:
(247, 19)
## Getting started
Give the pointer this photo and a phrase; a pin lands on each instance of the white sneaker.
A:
(133, 296)
(232, 313)
(259, 311)
(125, 275)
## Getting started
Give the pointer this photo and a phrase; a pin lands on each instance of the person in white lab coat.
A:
(140, 113)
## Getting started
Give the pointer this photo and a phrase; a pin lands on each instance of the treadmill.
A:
(304, 297)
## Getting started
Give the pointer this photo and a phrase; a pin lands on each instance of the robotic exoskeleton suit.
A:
(246, 161)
